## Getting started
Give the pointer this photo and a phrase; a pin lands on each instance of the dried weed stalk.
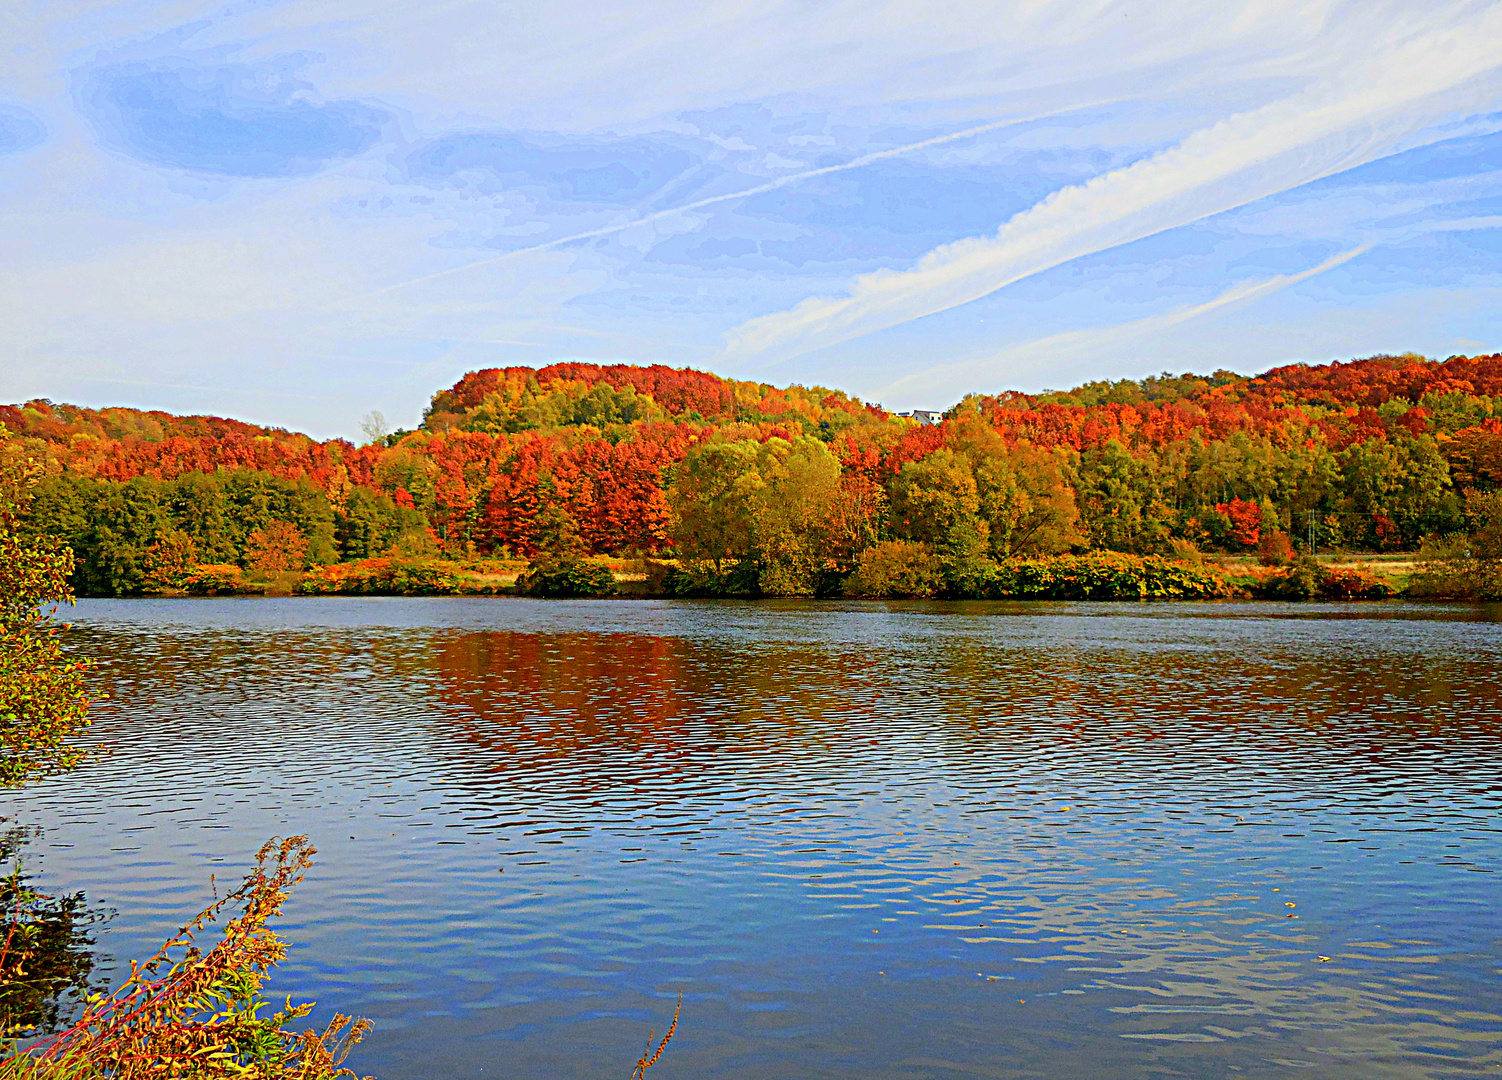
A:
(644, 1063)
(186, 1014)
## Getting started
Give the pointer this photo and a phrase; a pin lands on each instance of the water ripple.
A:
(878, 840)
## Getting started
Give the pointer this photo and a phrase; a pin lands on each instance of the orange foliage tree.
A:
(276, 548)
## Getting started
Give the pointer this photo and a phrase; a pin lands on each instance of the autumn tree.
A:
(170, 560)
(276, 548)
(43, 703)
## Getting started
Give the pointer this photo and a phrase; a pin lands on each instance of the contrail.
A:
(1079, 343)
(770, 185)
(1352, 117)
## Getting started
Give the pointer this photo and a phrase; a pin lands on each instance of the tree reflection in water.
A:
(47, 963)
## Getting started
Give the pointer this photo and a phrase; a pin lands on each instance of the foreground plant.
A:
(43, 702)
(648, 1057)
(187, 1014)
(195, 1015)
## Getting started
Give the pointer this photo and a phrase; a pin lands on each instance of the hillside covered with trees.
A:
(783, 491)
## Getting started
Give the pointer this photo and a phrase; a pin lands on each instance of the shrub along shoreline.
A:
(890, 570)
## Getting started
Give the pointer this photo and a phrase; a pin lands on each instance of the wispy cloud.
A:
(1402, 80)
(714, 200)
(201, 196)
(1057, 350)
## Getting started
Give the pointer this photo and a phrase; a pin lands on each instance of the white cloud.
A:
(1393, 83)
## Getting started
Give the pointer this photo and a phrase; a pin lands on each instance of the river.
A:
(863, 840)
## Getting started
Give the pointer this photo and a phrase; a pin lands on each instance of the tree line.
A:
(790, 490)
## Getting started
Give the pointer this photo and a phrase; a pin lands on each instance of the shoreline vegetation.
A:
(184, 1012)
(191, 1010)
(891, 571)
(1365, 479)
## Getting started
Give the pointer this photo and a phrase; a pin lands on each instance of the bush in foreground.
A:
(381, 577)
(1309, 579)
(1450, 572)
(907, 569)
(698, 578)
(187, 1012)
(1466, 567)
(43, 701)
(214, 579)
(193, 1014)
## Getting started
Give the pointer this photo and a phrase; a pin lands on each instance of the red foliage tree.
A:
(1245, 518)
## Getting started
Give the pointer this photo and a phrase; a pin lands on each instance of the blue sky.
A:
(296, 211)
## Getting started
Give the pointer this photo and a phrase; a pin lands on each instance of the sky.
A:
(298, 211)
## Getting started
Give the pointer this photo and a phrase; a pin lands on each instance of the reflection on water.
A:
(47, 963)
(864, 840)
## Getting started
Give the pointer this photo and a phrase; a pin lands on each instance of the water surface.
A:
(864, 840)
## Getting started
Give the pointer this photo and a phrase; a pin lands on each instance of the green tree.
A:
(936, 500)
(198, 507)
(794, 512)
(554, 530)
(1026, 502)
(125, 521)
(371, 524)
(1308, 475)
(713, 496)
(62, 507)
(1400, 489)
(1024, 495)
(255, 499)
(1120, 507)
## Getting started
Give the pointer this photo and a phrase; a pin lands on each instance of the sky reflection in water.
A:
(865, 840)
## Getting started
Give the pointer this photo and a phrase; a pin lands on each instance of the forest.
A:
(713, 486)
